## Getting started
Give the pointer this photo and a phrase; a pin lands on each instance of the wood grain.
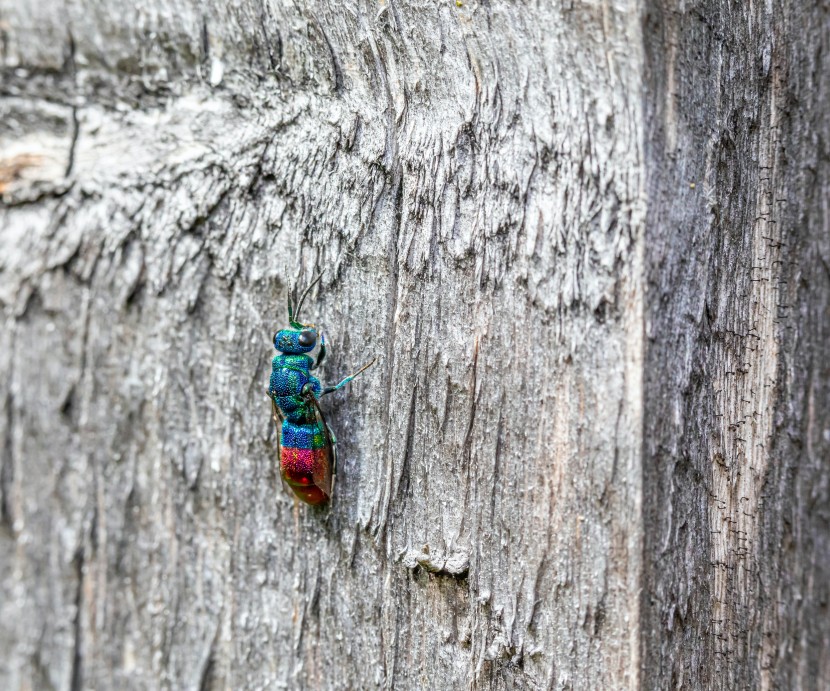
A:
(558, 226)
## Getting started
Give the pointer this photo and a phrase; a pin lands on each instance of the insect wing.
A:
(324, 454)
(277, 417)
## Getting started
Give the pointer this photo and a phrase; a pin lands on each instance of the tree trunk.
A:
(588, 242)
(737, 360)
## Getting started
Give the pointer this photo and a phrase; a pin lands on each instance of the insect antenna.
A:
(290, 309)
(294, 309)
(305, 293)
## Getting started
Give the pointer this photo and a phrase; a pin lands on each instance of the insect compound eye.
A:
(308, 337)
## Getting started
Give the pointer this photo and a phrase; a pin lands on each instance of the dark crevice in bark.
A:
(337, 71)
(7, 466)
(73, 144)
(77, 678)
(205, 36)
(206, 680)
(403, 483)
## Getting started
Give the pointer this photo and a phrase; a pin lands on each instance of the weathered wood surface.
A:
(501, 197)
(737, 364)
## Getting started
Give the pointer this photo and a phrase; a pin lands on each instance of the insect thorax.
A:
(289, 374)
(288, 360)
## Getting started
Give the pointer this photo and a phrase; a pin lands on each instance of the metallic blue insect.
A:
(307, 454)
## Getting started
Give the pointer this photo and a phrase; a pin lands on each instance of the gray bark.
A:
(737, 392)
(589, 244)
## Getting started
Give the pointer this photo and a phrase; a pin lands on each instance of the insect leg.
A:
(331, 389)
(321, 354)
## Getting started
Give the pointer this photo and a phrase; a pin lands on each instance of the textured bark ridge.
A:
(587, 241)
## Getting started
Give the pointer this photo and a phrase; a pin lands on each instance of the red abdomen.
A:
(307, 472)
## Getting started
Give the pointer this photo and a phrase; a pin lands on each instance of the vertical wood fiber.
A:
(470, 180)
(737, 393)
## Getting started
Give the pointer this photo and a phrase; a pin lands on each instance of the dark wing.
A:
(324, 456)
(276, 414)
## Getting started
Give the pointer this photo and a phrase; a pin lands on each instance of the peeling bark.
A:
(588, 242)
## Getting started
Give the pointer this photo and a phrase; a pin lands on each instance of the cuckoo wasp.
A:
(305, 442)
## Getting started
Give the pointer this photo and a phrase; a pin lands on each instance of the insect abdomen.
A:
(303, 461)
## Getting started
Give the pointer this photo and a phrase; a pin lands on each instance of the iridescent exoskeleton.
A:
(307, 445)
